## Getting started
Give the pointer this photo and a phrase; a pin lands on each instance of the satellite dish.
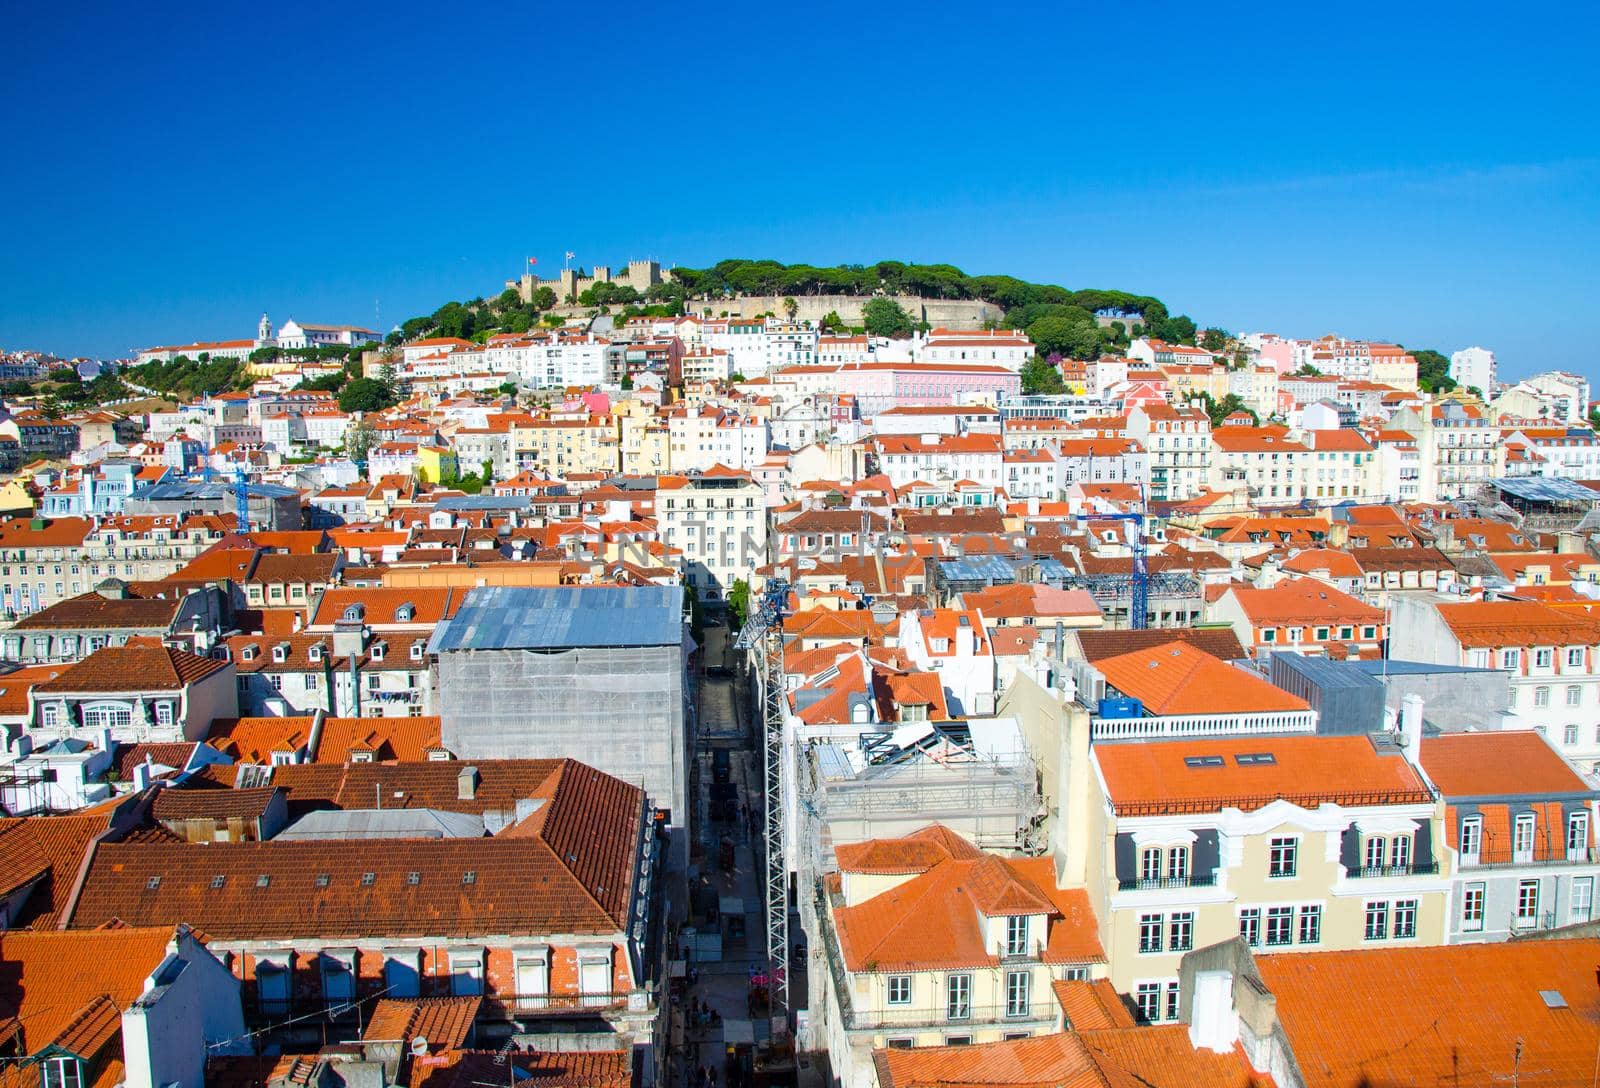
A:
(419, 1047)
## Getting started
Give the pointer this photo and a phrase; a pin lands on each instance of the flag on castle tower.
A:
(570, 254)
(533, 260)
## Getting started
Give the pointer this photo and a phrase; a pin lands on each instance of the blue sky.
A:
(1427, 174)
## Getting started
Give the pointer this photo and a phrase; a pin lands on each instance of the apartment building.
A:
(936, 458)
(1304, 615)
(1519, 827)
(1299, 843)
(928, 941)
(1274, 467)
(1178, 443)
(716, 521)
(1549, 656)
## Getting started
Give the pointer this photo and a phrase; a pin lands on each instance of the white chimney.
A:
(141, 776)
(107, 745)
(22, 746)
(1213, 1021)
(1411, 726)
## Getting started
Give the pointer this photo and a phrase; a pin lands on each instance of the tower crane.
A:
(1139, 609)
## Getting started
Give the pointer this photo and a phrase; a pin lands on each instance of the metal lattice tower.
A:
(241, 497)
(763, 631)
(1139, 608)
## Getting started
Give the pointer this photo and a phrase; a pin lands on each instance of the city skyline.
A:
(1408, 193)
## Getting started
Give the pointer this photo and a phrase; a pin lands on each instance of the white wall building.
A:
(1474, 367)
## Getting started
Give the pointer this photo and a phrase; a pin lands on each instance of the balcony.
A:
(1202, 725)
(1527, 859)
(1198, 880)
(977, 1016)
(1376, 872)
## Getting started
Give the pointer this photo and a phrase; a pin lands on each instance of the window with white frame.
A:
(1150, 926)
(50, 715)
(1282, 856)
(1574, 695)
(1150, 863)
(1147, 995)
(1543, 658)
(899, 989)
(1311, 924)
(466, 972)
(163, 713)
(1522, 837)
(1577, 835)
(1472, 898)
(1575, 657)
(1376, 926)
(1569, 735)
(1400, 852)
(1250, 926)
(1541, 696)
(1471, 837)
(1377, 848)
(1510, 659)
(1405, 918)
(1582, 902)
(533, 976)
(63, 1072)
(1180, 931)
(1178, 863)
(1018, 998)
(1527, 902)
(1280, 925)
(1017, 935)
(1172, 1001)
(108, 716)
(958, 997)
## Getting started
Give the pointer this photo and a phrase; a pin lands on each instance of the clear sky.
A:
(1426, 174)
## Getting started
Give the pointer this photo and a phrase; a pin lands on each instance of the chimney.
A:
(1411, 726)
(1213, 1021)
(107, 745)
(141, 776)
(22, 746)
(467, 784)
(1033, 506)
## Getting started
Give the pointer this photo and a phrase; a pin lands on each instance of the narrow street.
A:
(721, 1013)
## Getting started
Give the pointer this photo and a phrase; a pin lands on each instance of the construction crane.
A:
(241, 497)
(763, 632)
(1139, 609)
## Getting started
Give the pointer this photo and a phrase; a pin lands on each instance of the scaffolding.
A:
(763, 635)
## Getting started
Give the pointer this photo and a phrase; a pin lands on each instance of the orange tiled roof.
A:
(1180, 678)
(1511, 763)
(931, 921)
(1450, 1014)
(139, 665)
(1516, 623)
(1152, 778)
(1089, 1006)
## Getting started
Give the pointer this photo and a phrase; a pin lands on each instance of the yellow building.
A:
(434, 463)
(560, 447)
(929, 941)
(1297, 843)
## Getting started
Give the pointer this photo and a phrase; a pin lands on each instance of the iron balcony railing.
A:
(1419, 868)
(1194, 880)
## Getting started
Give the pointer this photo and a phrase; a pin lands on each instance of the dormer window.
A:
(378, 650)
(280, 653)
(361, 757)
(315, 653)
(416, 650)
(249, 653)
(66, 1072)
(1017, 935)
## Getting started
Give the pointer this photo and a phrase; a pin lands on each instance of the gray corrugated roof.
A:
(1410, 668)
(387, 823)
(484, 502)
(1543, 489)
(538, 618)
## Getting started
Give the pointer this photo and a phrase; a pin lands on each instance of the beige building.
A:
(1297, 844)
(560, 447)
(929, 941)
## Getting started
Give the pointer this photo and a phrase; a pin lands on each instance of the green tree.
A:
(359, 438)
(1060, 334)
(1308, 371)
(1214, 340)
(508, 388)
(1433, 371)
(738, 604)
(886, 317)
(1220, 410)
(790, 308)
(832, 322)
(1041, 376)
(365, 395)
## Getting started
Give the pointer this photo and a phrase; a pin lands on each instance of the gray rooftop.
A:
(387, 823)
(538, 618)
(483, 502)
(165, 492)
(1545, 489)
(1410, 668)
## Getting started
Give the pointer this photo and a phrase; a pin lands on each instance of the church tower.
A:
(264, 333)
